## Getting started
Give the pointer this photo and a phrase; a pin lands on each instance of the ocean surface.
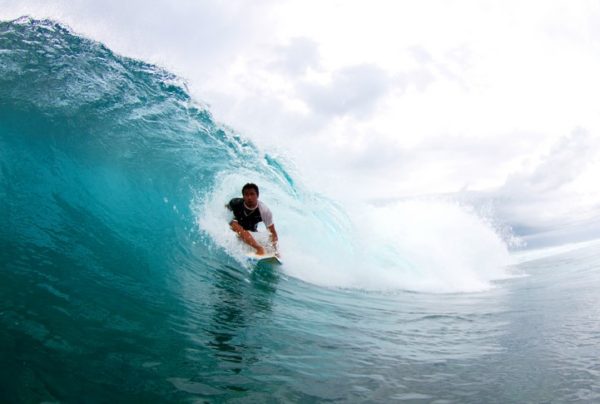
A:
(120, 281)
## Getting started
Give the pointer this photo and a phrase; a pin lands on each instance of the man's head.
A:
(250, 194)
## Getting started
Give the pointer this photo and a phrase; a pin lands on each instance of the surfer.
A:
(248, 212)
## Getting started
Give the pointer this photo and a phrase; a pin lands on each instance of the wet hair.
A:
(250, 186)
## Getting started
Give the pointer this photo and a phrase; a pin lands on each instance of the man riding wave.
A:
(248, 211)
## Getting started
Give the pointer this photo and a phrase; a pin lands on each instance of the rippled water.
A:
(263, 336)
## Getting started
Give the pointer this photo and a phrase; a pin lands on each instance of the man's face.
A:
(250, 198)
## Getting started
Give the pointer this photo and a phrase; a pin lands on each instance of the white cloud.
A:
(353, 90)
(295, 58)
(560, 167)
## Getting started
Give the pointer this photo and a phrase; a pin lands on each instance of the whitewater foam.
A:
(431, 246)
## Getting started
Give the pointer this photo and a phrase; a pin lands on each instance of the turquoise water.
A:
(120, 281)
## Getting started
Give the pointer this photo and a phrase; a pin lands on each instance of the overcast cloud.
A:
(353, 90)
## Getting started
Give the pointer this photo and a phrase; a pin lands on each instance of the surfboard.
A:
(268, 258)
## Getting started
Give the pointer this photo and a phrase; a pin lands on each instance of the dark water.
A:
(109, 290)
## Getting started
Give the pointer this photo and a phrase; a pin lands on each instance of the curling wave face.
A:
(107, 159)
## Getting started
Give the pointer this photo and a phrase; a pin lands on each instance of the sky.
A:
(490, 102)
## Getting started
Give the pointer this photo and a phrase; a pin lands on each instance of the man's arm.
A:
(274, 237)
(246, 237)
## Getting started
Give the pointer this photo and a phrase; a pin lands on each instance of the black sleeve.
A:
(236, 205)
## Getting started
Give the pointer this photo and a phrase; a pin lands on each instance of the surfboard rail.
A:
(268, 258)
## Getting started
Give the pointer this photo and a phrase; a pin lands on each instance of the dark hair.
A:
(250, 186)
